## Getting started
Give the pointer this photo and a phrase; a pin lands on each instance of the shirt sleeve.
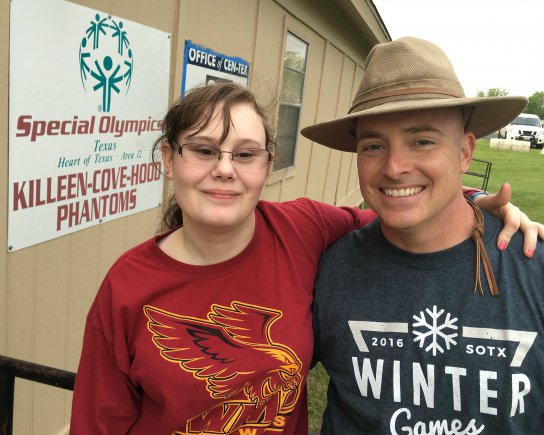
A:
(105, 401)
(468, 191)
(339, 221)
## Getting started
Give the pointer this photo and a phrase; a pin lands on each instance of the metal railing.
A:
(482, 169)
(11, 368)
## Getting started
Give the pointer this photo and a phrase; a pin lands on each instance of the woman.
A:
(207, 328)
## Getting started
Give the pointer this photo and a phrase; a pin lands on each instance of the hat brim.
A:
(489, 114)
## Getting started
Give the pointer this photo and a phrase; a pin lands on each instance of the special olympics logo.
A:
(106, 59)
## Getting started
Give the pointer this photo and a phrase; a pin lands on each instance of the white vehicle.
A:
(525, 127)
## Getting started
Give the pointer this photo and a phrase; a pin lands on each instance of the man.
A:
(423, 325)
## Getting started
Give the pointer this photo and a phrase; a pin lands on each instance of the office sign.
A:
(202, 66)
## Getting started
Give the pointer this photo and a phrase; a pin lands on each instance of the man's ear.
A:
(468, 145)
(168, 159)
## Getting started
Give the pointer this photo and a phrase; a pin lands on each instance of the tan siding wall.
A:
(47, 289)
(4, 56)
(345, 94)
(319, 179)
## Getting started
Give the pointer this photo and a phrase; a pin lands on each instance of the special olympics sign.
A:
(81, 130)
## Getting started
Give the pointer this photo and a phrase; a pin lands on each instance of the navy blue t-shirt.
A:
(412, 350)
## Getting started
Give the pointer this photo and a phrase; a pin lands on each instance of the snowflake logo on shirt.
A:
(436, 329)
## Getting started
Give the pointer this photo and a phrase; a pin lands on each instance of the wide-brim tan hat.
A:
(412, 74)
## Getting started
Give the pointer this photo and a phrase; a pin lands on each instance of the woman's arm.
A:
(514, 220)
(105, 401)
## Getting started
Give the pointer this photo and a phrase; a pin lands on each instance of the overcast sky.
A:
(491, 43)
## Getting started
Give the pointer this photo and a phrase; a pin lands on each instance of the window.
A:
(292, 83)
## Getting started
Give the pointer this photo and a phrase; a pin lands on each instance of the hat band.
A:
(409, 91)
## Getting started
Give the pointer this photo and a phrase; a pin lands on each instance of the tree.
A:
(493, 92)
(536, 104)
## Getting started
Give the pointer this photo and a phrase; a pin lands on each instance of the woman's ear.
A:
(168, 159)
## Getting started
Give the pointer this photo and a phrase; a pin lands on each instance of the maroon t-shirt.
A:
(175, 348)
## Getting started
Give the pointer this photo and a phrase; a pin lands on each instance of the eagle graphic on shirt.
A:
(257, 381)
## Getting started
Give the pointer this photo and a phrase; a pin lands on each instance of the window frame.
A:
(290, 165)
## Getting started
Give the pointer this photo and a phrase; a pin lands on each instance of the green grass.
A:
(317, 396)
(525, 173)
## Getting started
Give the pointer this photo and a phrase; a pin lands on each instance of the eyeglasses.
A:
(206, 155)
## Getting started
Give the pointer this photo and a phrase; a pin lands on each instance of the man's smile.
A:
(407, 191)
